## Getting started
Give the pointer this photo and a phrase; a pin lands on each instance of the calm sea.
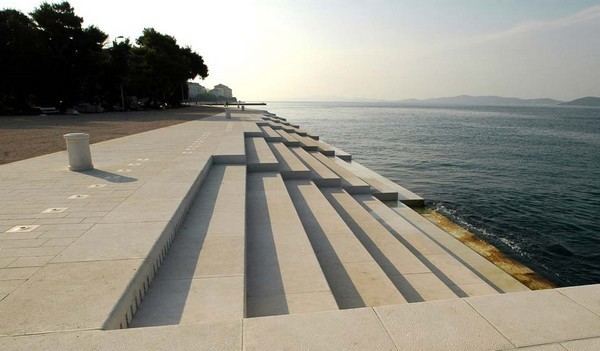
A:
(526, 179)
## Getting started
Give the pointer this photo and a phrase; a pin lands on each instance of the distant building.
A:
(221, 90)
(195, 90)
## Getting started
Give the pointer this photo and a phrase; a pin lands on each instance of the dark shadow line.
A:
(340, 284)
(260, 246)
(108, 176)
(395, 276)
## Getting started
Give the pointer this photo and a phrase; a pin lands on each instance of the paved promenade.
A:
(250, 233)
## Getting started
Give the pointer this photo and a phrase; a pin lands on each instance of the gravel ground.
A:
(23, 137)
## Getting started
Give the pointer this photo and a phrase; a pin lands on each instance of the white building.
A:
(221, 90)
(195, 90)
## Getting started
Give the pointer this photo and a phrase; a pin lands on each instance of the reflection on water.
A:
(526, 179)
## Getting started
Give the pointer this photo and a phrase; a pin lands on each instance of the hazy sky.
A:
(396, 49)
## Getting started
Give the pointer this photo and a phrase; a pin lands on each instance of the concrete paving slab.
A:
(188, 301)
(547, 347)
(118, 241)
(582, 345)
(67, 296)
(587, 296)
(20, 273)
(5, 261)
(440, 325)
(31, 261)
(8, 286)
(356, 329)
(541, 317)
(224, 336)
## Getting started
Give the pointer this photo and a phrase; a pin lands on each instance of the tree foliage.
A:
(50, 58)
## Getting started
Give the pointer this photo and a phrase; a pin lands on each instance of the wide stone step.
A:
(283, 274)
(383, 188)
(307, 143)
(288, 139)
(458, 276)
(231, 148)
(259, 156)
(289, 164)
(268, 123)
(339, 153)
(270, 134)
(350, 182)
(326, 149)
(299, 131)
(202, 277)
(288, 128)
(410, 275)
(494, 275)
(356, 280)
(320, 174)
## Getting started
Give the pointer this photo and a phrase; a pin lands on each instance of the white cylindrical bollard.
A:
(78, 148)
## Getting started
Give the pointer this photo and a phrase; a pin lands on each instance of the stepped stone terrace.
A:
(251, 233)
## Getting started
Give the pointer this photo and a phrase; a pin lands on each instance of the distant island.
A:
(584, 101)
(501, 101)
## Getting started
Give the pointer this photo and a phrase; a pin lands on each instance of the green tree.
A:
(73, 54)
(160, 67)
(50, 58)
(20, 56)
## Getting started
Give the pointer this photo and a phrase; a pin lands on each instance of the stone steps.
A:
(411, 277)
(202, 277)
(289, 164)
(383, 188)
(320, 174)
(288, 139)
(356, 280)
(350, 182)
(489, 272)
(271, 124)
(270, 134)
(283, 274)
(456, 275)
(299, 131)
(326, 149)
(307, 143)
(231, 149)
(259, 156)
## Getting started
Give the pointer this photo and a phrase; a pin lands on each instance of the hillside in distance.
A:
(481, 101)
(584, 101)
